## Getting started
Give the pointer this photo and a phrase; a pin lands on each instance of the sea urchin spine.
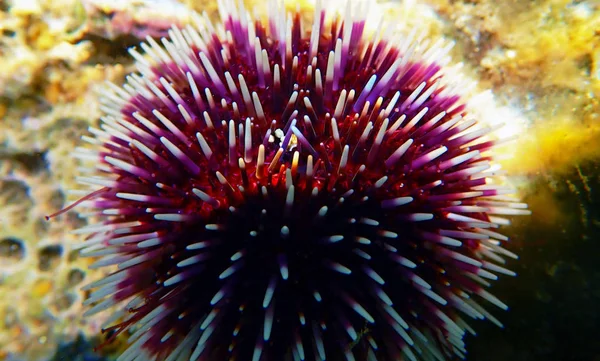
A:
(273, 191)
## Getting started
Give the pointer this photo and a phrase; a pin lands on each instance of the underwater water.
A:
(539, 62)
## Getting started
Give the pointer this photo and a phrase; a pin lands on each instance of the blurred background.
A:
(540, 58)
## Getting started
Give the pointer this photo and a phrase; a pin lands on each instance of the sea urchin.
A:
(281, 190)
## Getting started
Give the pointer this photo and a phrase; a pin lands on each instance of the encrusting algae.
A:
(54, 57)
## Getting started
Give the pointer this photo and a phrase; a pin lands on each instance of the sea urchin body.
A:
(276, 190)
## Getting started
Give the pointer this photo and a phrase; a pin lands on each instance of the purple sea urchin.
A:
(276, 191)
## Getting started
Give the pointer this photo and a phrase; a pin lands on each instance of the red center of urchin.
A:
(269, 192)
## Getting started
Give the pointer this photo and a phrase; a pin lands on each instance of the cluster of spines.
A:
(183, 145)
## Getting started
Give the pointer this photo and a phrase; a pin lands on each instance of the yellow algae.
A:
(41, 288)
(26, 8)
(518, 41)
(554, 146)
(566, 36)
(595, 75)
(547, 212)
(559, 35)
(545, 56)
(303, 5)
(210, 6)
(53, 92)
(45, 39)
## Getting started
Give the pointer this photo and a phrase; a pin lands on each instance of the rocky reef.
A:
(541, 59)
